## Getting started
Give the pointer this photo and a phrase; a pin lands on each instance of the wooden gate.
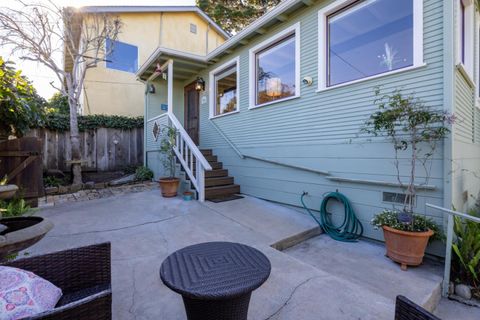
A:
(21, 161)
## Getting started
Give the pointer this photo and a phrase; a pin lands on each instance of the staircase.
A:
(219, 186)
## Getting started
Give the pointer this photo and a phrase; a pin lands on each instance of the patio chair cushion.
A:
(23, 294)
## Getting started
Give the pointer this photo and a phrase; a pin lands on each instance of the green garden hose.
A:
(351, 228)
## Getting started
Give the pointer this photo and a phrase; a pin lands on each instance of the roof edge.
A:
(140, 9)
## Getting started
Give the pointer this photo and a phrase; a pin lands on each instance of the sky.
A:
(42, 76)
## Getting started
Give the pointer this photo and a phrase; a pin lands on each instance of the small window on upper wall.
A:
(224, 89)
(122, 56)
(274, 73)
(368, 38)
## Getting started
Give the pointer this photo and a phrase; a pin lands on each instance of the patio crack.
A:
(290, 297)
(110, 230)
(132, 305)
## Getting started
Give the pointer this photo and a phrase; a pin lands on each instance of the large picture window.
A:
(224, 89)
(368, 38)
(122, 56)
(274, 74)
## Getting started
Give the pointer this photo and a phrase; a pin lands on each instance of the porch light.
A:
(274, 87)
(200, 84)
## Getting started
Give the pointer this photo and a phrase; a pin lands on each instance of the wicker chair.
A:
(83, 274)
(405, 309)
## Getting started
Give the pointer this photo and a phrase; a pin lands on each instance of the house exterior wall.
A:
(322, 130)
(108, 91)
(465, 173)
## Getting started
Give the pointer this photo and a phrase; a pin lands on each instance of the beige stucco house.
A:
(112, 88)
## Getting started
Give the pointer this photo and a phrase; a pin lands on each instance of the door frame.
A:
(185, 110)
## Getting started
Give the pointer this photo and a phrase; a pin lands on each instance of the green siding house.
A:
(278, 108)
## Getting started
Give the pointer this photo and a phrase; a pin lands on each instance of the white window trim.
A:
(469, 64)
(477, 58)
(294, 29)
(211, 87)
(322, 43)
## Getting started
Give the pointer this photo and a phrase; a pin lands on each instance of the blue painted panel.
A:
(123, 56)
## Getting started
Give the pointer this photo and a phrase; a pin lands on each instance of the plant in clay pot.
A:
(415, 130)
(169, 184)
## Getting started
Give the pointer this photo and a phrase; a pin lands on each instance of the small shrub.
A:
(51, 181)
(419, 223)
(466, 260)
(143, 174)
(14, 208)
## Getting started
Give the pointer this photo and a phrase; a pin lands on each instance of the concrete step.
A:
(220, 181)
(216, 173)
(221, 191)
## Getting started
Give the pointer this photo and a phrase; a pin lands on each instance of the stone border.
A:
(91, 194)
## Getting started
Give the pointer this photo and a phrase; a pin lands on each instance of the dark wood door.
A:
(192, 109)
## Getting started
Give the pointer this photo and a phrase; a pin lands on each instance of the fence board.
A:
(103, 149)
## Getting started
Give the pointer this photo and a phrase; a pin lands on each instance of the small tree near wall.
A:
(39, 31)
(413, 129)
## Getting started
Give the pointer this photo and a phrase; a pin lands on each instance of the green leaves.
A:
(235, 15)
(168, 142)
(61, 122)
(467, 247)
(20, 105)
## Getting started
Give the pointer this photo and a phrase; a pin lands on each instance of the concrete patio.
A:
(316, 279)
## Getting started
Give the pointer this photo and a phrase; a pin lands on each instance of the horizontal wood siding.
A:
(465, 173)
(322, 130)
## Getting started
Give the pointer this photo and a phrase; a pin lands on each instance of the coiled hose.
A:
(351, 228)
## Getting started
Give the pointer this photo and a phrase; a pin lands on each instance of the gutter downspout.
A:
(145, 110)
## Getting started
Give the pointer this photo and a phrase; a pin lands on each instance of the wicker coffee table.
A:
(215, 279)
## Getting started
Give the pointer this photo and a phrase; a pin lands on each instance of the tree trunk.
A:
(75, 143)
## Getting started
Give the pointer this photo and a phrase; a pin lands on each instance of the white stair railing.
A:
(190, 156)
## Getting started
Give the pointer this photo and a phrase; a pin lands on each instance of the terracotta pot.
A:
(8, 191)
(405, 247)
(169, 186)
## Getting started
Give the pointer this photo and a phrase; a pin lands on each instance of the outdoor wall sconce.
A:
(200, 84)
(151, 88)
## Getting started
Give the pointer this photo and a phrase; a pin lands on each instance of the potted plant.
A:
(414, 130)
(169, 185)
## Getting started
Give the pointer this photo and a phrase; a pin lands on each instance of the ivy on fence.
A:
(61, 122)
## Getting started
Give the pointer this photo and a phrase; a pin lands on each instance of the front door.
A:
(192, 105)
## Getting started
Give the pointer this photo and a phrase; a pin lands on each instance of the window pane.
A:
(226, 91)
(368, 38)
(124, 56)
(275, 67)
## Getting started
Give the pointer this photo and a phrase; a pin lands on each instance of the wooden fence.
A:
(102, 149)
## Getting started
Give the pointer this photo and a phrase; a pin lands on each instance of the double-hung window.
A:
(368, 38)
(275, 68)
(224, 95)
(465, 35)
(121, 56)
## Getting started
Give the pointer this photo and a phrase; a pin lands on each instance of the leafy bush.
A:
(419, 223)
(143, 174)
(14, 208)
(59, 103)
(20, 105)
(467, 250)
(61, 122)
(51, 181)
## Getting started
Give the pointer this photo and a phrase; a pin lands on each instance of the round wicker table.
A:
(215, 279)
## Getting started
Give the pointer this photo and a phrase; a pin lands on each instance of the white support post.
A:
(448, 257)
(200, 182)
(170, 87)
